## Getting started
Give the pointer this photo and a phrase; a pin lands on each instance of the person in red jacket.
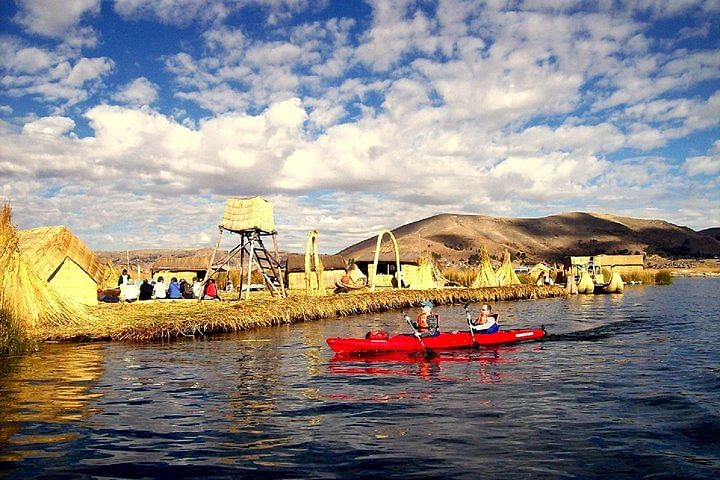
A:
(211, 292)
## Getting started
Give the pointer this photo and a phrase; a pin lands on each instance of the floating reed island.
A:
(32, 310)
(164, 319)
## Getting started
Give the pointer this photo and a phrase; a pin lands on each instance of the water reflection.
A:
(53, 387)
(616, 377)
(481, 365)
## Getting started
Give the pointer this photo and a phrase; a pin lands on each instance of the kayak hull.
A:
(443, 341)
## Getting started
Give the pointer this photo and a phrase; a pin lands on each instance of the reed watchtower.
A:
(252, 219)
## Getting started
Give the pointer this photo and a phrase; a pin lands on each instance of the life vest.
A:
(430, 326)
(491, 329)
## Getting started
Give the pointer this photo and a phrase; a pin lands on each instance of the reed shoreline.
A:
(167, 319)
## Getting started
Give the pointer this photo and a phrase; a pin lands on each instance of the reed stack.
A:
(486, 275)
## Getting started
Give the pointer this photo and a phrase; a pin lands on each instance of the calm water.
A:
(627, 386)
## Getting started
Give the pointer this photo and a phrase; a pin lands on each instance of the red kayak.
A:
(407, 342)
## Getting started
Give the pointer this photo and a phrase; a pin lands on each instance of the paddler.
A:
(486, 322)
(426, 323)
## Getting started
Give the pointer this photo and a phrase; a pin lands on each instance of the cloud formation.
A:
(358, 119)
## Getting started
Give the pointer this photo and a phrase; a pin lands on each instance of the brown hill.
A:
(457, 237)
(712, 232)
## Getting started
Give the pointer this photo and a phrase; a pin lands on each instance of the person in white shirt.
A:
(160, 289)
(197, 288)
(486, 322)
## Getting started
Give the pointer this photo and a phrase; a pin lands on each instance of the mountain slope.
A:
(457, 237)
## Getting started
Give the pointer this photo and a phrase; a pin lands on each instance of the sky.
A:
(131, 121)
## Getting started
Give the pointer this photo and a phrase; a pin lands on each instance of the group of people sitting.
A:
(427, 322)
(175, 290)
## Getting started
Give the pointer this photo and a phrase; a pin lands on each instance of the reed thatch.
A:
(423, 276)
(60, 258)
(28, 304)
(486, 275)
(143, 321)
(505, 273)
(243, 214)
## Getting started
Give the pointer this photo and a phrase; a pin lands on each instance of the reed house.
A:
(61, 259)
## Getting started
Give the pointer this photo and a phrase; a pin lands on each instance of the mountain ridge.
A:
(456, 237)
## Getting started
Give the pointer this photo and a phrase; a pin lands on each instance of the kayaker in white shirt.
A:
(486, 322)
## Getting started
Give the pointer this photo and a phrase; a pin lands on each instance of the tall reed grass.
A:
(658, 277)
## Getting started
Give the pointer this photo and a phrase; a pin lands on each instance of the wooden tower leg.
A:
(283, 294)
(242, 270)
(251, 241)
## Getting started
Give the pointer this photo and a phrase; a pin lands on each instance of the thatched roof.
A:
(296, 262)
(253, 213)
(183, 264)
(46, 248)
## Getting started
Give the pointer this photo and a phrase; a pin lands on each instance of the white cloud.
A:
(140, 91)
(51, 75)
(704, 164)
(479, 107)
(57, 19)
(53, 126)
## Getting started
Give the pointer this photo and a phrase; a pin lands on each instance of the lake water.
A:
(626, 386)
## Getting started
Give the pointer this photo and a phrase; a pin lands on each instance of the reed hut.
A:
(185, 268)
(63, 261)
(505, 273)
(486, 275)
(422, 275)
(333, 268)
(539, 273)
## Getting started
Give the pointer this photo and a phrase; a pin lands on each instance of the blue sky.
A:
(131, 121)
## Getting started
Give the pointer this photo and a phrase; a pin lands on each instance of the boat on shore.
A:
(379, 342)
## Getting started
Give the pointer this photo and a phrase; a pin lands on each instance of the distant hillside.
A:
(712, 232)
(457, 237)
(145, 258)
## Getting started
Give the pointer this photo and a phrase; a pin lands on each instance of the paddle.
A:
(427, 352)
(469, 322)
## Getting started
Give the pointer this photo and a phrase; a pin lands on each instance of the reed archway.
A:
(312, 259)
(373, 270)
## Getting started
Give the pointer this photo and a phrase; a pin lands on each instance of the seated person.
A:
(186, 289)
(197, 288)
(146, 291)
(174, 290)
(426, 323)
(486, 322)
(129, 292)
(160, 289)
(211, 292)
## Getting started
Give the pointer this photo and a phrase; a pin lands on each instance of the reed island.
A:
(34, 308)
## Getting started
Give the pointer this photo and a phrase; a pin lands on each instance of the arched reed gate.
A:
(312, 259)
(372, 273)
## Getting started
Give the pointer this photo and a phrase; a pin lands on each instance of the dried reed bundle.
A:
(486, 276)
(505, 273)
(616, 284)
(570, 285)
(143, 321)
(28, 305)
(585, 285)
